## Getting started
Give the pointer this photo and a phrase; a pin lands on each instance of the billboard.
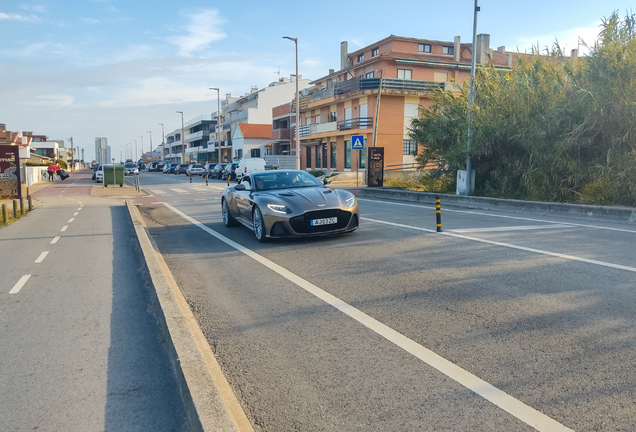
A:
(10, 181)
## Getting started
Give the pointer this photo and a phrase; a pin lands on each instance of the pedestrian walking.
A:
(51, 172)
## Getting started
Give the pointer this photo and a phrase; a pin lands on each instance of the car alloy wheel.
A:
(259, 225)
(228, 220)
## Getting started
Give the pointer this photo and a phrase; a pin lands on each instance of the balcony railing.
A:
(311, 129)
(362, 84)
(356, 123)
(194, 136)
(281, 134)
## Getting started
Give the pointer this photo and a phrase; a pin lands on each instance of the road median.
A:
(210, 402)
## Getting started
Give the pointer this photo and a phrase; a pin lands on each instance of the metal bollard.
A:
(206, 178)
(228, 180)
(22, 206)
(5, 214)
(15, 208)
(30, 203)
(438, 213)
(190, 177)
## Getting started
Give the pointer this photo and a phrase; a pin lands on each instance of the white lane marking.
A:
(486, 390)
(64, 228)
(41, 257)
(55, 240)
(71, 220)
(157, 192)
(18, 286)
(79, 209)
(75, 214)
(179, 190)
(201, 199)
(147, 196)
(509, 228)
(508, 245)
(200, 188)
(501, 216)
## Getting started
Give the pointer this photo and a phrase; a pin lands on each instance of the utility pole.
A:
(182, 147)
(163, 143)
(150, 140)
(142, 148)
(471, 96)
(297, 106)
(72, 153)
(135, 156)
(218, 119)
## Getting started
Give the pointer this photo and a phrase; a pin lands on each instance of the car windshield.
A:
(197, 166)
(129, 165)
(284, 180)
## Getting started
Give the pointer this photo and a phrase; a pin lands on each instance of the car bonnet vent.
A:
(328, 191)
(285, 194)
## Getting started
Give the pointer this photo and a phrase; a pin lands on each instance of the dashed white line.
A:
(75, 214)
(18, 286)
(64, 228)
(41, 257)
(509, 404)
(71, 220)
(79, 209)
(55, 240)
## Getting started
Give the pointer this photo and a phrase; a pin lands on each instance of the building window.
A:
(318, 156)
(348, 154)
(360, 57)
(405, 74)
(308, 149)
(410, 147)
(256, 153)
(425, 48)
(333, 116)
(333, 155)
(369, 75)
(375, 52)
(239, 153)
(448, 50)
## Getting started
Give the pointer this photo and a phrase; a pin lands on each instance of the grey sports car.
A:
(288, 203)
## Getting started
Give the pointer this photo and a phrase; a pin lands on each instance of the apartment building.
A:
(349, 101)
(173, 150)
(253, 108)
(102, 150)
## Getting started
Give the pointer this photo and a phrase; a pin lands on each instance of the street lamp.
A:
(163, 143)
(218, 120)
(150, 132)
(471, 96)
(182, 148)
(72, 154)
(142, 149)
(297, 105)
(135, 156)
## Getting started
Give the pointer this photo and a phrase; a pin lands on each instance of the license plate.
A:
(325, 221)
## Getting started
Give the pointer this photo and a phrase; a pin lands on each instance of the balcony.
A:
(356, 123)
(281, 134)
(307, 130)
(364, 84)
(194, 137)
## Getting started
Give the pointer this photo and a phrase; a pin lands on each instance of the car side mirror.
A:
(325, 181)
(239, 187)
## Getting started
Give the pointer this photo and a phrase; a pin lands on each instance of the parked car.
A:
(208, 167)
(99, 174)
(171, 168)
(167, 166)
(181, 169)
(217, 170)
(131, 169)
(249, 166)
(229, 171)
(159, 167)
(195, 169)
(152, 166)
(95, 167)
(288, 203)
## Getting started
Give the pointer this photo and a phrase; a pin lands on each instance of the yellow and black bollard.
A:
(206, 178)
(228, 180)
(438, 213)
(190, 177)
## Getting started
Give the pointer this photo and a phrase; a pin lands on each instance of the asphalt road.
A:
(79, 347)
(506, 321)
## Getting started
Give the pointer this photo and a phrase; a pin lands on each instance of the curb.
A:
(625, 214)
(208, 398)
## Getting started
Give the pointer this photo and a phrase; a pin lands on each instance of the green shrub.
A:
(316, 173)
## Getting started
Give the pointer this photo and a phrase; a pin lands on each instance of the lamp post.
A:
(142, 147)
(135, 156)
(163, 142)
(72, 153)
(297, 105)
(471, 96)
(218, 118)
(182, 148)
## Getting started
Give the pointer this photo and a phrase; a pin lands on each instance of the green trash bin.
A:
(114, 175)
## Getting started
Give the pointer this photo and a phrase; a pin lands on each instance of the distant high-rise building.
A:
(102, 149)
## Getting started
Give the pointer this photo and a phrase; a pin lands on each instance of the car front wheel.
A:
(259, 225)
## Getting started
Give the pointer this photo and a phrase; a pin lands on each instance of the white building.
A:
(102, 148)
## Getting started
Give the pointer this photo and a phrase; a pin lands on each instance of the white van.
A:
(248, 166)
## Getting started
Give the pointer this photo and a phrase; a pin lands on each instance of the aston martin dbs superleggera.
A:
(288, 203)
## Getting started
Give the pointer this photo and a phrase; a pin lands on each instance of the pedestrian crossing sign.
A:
(357, 142)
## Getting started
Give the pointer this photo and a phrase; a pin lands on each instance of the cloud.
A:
(568, 40)
(53, 100)
(16, 17)
(203, 29)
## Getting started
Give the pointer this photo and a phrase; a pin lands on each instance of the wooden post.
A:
(22, 206)
(30, 202)
(15, 208)
(5, 214)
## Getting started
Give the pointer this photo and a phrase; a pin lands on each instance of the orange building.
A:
(345, 102)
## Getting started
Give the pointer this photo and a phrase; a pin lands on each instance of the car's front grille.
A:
(301, 224)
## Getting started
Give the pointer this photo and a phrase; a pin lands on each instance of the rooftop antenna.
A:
(278, 72)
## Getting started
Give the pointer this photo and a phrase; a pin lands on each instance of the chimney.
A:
(509, 58)
(482, 49)
(456, 50)
(344, 46)
(331, 71)
(228, 95)
(574, 53)
(501, 50)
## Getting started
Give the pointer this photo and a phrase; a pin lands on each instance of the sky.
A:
(117, 69)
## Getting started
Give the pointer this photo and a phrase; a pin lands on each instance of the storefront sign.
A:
(10, 181)
(375, 167)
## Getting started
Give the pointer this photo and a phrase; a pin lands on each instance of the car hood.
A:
(303, 197)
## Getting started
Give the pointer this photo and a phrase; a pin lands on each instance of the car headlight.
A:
(351, 201)
(278, 208)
